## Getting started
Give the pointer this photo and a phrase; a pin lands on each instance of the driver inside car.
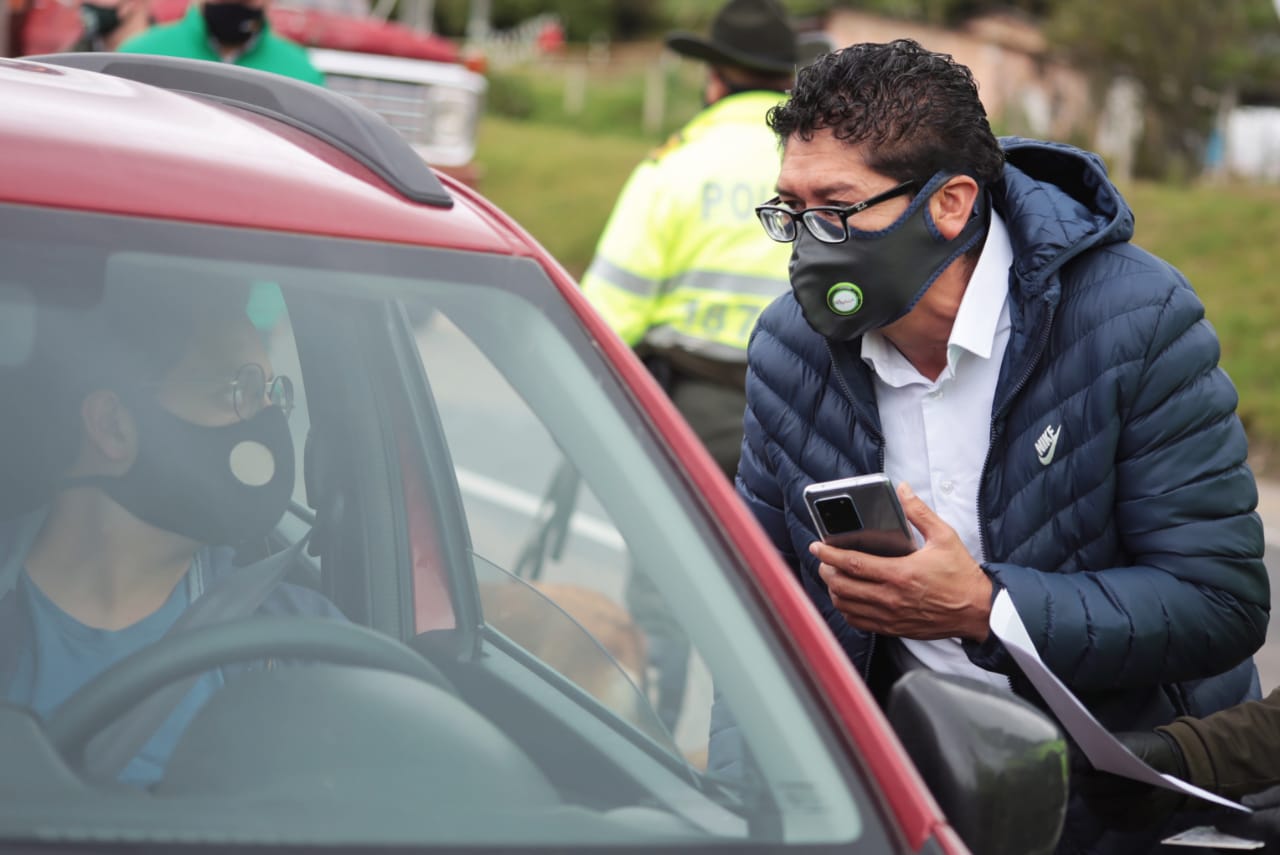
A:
(164, 429)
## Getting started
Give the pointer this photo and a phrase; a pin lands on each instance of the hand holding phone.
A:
(861, 513)
(871, 592)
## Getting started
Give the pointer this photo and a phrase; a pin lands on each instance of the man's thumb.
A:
(918, 513)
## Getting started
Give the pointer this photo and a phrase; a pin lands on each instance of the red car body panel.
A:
(44, 26)
(200, 163)
(75, 140)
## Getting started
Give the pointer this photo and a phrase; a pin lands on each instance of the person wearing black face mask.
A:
(235, 31)
(171, 431)
(107, 25)
(969, 316)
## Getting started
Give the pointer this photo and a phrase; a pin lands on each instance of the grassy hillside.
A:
(561, 184)
(1226, 239)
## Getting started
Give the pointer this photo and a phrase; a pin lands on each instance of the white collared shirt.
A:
(937, 432)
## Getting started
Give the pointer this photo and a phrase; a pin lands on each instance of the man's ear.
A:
(108, 426)
(715, 87)
(952, 205)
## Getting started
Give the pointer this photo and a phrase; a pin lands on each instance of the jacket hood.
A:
(1057, 202)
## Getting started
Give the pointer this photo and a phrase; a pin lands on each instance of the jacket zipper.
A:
(995, 433)
(848, 393)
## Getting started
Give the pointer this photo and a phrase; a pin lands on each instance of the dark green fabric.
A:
(189, 38)
(1233, 752)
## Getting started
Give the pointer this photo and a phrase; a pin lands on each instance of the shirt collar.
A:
(974, 329)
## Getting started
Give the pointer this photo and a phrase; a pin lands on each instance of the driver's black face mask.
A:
(213, 485)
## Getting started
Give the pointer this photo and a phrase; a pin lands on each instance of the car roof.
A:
(78, 139)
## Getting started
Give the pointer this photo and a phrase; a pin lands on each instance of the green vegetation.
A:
(1190, 58)
(561, 183)
(1224, 238)
(616, 19)
(598, 98)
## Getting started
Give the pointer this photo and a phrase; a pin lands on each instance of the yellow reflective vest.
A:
(683, 268)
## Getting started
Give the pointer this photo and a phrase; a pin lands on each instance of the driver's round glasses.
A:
(251, 392)
(827, 223)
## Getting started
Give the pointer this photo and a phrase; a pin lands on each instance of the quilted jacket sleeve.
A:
(759, 485)
(1193, 598)
(756, 482)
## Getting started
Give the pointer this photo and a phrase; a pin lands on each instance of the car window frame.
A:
(198, 240)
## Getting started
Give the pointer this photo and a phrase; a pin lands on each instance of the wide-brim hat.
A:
(751, 34)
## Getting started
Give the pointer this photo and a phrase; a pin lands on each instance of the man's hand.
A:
(1263, 824)
(938, 591)
(1123, 803)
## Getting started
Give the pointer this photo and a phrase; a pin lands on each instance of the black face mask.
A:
(232, 23)
(214, 485)
(99, 21)
(874, 278)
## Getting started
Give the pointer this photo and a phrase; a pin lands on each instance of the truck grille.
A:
(402, 103)
(435, 106)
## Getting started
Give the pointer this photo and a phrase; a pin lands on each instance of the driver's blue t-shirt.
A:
(46, 655)
(61, 654)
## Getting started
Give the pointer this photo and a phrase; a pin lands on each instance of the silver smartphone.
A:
(861, 513)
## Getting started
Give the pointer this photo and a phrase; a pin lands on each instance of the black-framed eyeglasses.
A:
(250, 392)
(827, 223)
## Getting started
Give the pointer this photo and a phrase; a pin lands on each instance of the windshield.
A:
(321, 542)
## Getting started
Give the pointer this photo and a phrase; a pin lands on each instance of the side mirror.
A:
(996, 765)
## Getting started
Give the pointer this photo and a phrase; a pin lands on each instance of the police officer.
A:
(682, 272)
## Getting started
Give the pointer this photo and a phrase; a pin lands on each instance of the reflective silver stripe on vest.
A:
(730, 283)
(623, 279)
(666, 338)
(702, 280)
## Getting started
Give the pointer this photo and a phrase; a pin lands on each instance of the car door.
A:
(535, 491)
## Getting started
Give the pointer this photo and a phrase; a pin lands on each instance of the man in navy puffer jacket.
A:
(970, 317)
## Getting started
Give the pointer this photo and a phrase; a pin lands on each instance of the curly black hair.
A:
(911, 111)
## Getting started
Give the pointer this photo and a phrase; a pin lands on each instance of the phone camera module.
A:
(838, 515)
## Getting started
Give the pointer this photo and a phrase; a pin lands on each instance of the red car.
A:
(482, 469)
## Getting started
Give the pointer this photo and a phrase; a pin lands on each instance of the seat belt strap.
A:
(237, 595)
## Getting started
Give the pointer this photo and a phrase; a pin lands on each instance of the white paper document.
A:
(1203, 835)
(1105, 752)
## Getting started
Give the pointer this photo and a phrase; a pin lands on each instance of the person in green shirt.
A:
(235, 31)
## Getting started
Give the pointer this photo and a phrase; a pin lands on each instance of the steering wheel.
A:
(118, 689)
